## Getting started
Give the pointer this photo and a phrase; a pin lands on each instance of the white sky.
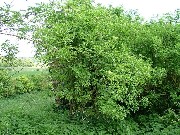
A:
(146, 8)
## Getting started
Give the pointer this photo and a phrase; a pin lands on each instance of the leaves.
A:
(84, 49)
(105, 58)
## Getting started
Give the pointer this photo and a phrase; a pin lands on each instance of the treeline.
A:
(17, 62)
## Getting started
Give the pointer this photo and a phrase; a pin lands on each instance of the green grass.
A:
(34, 114)
(27, 71)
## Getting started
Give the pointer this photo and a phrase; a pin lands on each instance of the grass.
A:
(33, 114)
(27, 71)
(24, 114)
(16, 71)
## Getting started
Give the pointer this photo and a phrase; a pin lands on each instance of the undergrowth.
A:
(35, 113)
(20, 83)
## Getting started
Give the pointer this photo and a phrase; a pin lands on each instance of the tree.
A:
(15, 24)
(10, 20)
(9, 50)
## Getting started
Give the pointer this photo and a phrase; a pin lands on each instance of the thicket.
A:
(107, 61)
(11, 85)
(108, 64)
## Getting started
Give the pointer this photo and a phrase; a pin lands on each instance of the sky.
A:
(146, 8)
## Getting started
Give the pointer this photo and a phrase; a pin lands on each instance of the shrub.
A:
(5, 84)
(41, 82)
(108, 61)
(10, 85)
(23, 84)
(92, 64)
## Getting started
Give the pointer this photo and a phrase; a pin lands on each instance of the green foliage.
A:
(106, 66)
(32, 113)
(86, 50)
(12, 61)
(23, 62)
(12, 22)
(13, 85)
(8, 18)
(9, 50)
(5, 84)
(153, 124)
(158, 42)
(41, 82)
(109, 59)
(23, 84)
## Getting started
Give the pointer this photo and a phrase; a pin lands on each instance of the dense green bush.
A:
(90, 62)
(12, 85)
(155, 124)
(5, 84)
(116, 74)
(23, 84)
(158, 42)
(109, 61)
(41, 82)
